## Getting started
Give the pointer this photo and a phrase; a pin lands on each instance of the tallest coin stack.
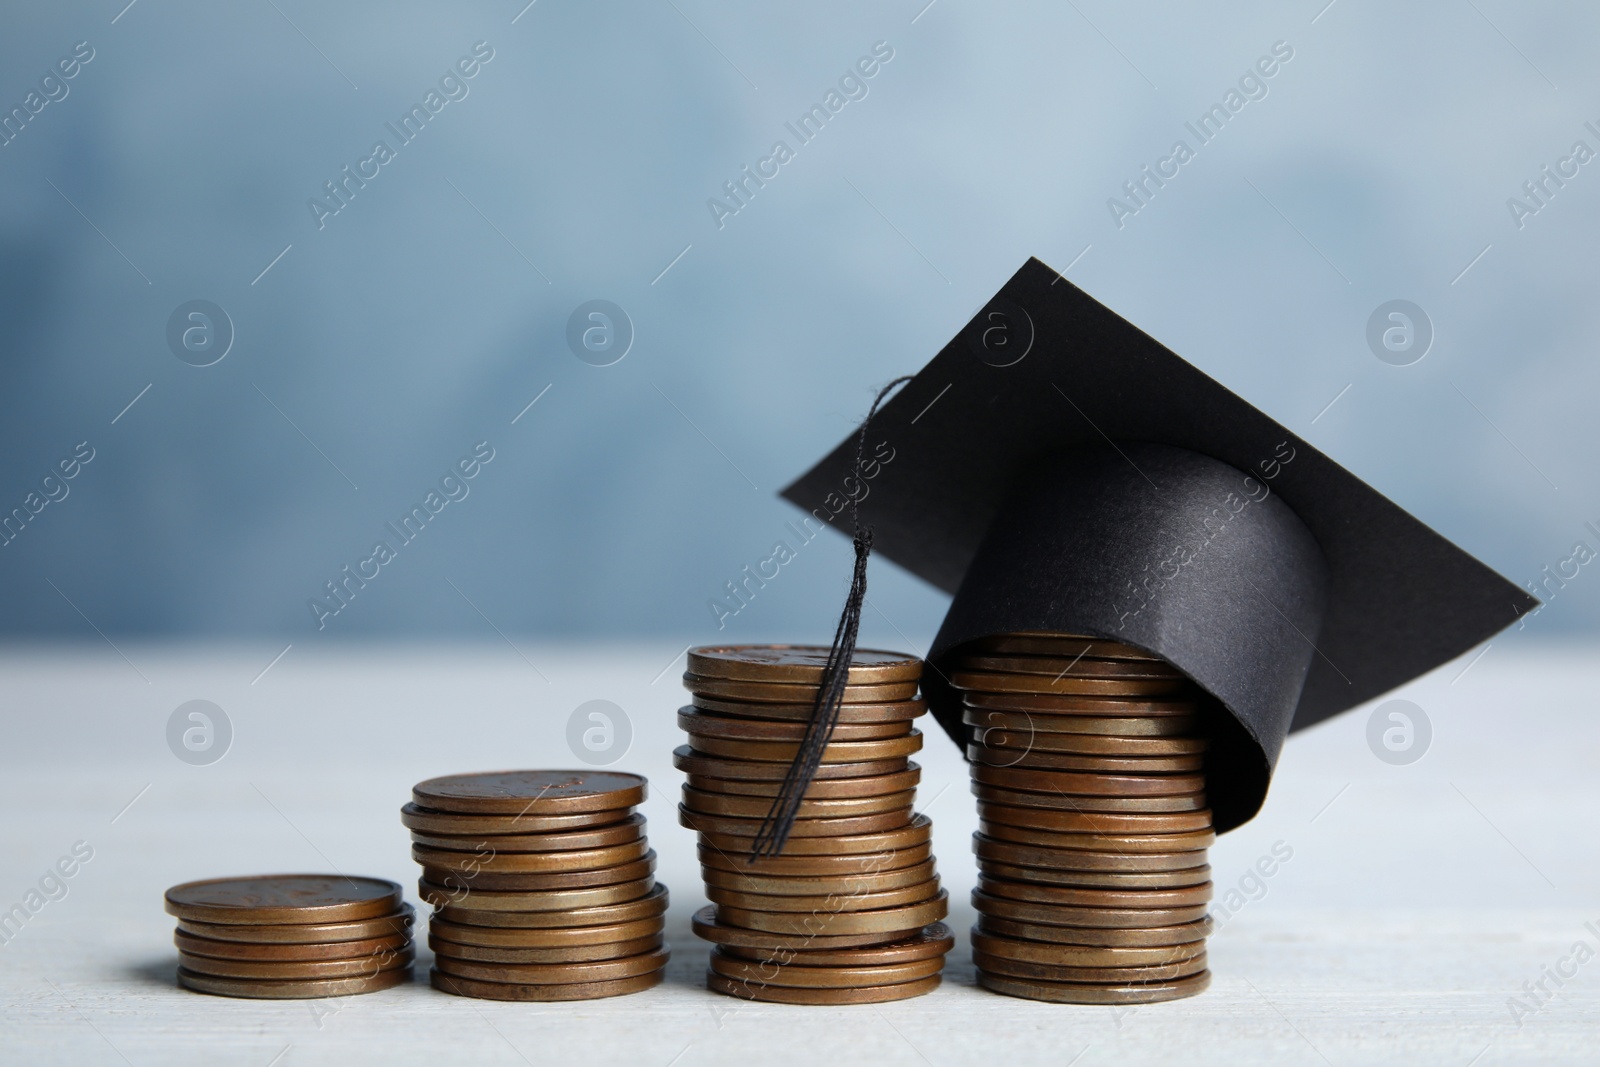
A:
(848, 911)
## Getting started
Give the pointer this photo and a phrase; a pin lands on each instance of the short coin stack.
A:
(848, 912)
(289, 936)
(543, 884)
(1093, 825)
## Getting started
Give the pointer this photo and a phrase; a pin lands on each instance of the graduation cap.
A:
(1057, 469)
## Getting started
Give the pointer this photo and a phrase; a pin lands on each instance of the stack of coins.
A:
(283, 936)
(848, 912)
(1093, 825)
(543, 884)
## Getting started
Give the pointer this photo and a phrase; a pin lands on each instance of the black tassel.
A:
(774, 831)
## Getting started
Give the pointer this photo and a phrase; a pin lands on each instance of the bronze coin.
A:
(708, 926)
(1098, 936)
(1034, 893)
(487, 859)
(916, 832)
(467, 987)
(247, 950)
(729, 901)
(856, 864)
(530, 792)
(800, 663)
(933, 940)
(784, 752)
(1109, 785)
(455, 882)
(1080, 704)
(283, 898)
(1059, 955)
(1124, 726)
(1065, 915)
(1023, 847)
(552, 937)
(1083, 993)
(896, 711)
(469, 913)
(991, 682)
(418, 818)
(554, 973)
(688, 760)
(280, 970)
(543, 900)
(1054, 644)
(1031, 819)
(628, 830)
(1047, 972)
(613, 950)
(775, 994)
(801, 976)
(1071, 666)
(1006, 744)
(703, 724)
(1034, 780)
(1187, 804)
(1066, 817)
(794, 693)
(820, 789)
(259, 989)
(813, 886)
(1118, 880)
(396, 922)
(703, 803)
(883, 920)
(984, 758)
(727, 825)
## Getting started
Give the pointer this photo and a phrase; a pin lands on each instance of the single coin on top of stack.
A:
(1087, 761)
(543, 884)
(849, 911)
(288, 936)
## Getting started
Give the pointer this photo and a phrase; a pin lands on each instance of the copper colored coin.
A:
(421, 819)
(986, 758)
(1008, 743)
(613, 950)
(1031, 780)
(1124, 726)
(1117, 880)
(530, 792)
(730, 901)
(780, 693)
(553, 937)
(896, 711)
(776, 994)
(703, 803)
(916, 832)
(772, 885)
(1098, 936)
(469, 913)
(1081, 704)
(1023, 847)
(688, 760)
(820, 789)
(541, 900)
(994, 682)
(396, 922)
(727, 825)
(1031, 819)
(468, 987)
(1044, 972)
(630, 829)
(487, 859)
(1064, 915)
(800, 663)
(1058, 955)
(802, 976)
(856, 864)
(1083, 993)
(191, 945)
(305, 989)
(784, 751)
(1065, 816)
(704, 724)
(1114, 785)
(883, 920)
(554, 973)
(1053, 644)
(1187, 804)
(455, 882)
(299, 970)
(283, 898)
(933, 940)
(708, 926)
(1185, 896)
(1061, 667)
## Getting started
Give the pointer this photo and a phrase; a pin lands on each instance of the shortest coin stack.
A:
(542, 882)
(284, 936)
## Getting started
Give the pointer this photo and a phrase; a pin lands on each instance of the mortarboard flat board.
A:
(1057, 469)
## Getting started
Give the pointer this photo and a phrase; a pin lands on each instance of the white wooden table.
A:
(1418, 900)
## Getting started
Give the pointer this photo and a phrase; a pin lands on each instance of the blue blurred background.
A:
(374, 347)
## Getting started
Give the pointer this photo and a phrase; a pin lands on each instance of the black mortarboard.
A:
(1057, 469)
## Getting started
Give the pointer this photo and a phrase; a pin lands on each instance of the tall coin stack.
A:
(1093, 826)
(848, 912)
(288, 936)
(543, 884)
